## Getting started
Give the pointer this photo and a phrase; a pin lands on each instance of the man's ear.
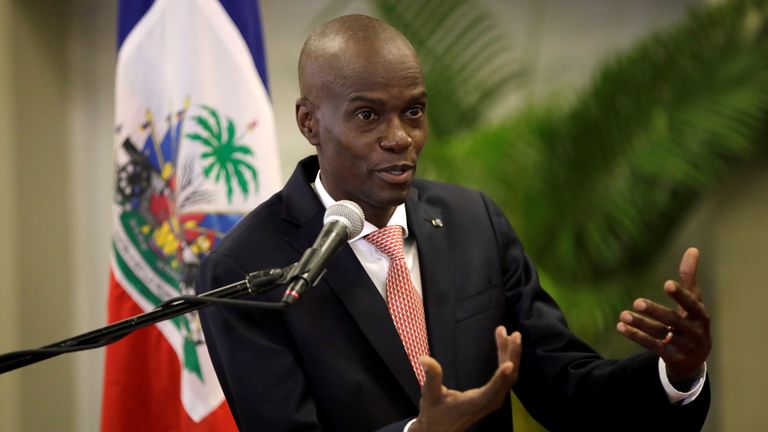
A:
(305, 119)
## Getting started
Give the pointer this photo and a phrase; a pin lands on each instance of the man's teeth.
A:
(394, 171)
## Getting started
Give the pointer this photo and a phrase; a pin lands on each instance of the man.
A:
(342, 357)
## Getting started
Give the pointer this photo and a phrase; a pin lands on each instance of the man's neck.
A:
(397, 216)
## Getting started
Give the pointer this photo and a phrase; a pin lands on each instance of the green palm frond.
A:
(242, 149)
(216, 127)
(596, 186)
(208, 168)
(658, 126)
(238, 166)
(206, 125)
(230, 139)
(227, 180)
(202, 139)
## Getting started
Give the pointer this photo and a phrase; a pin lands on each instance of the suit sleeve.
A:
(563, 382)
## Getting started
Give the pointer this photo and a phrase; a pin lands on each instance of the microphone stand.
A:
(254, 283)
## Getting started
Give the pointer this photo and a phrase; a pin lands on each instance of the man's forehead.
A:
(351, 53)
(354, 47)
(394, 98)
(369, 80)
(333, 44)
(355, 73)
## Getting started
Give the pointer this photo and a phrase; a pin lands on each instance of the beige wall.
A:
(740, 275)
(91, 114)
(56, 97)
(56, 104)
(9, 383)
(42, 210)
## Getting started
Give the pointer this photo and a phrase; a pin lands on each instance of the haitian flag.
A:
(195, 150)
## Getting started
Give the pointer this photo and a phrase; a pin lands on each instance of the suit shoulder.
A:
(259, 223)
(444, 194)
(435, 187)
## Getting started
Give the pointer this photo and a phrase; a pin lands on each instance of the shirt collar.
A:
(399, 217)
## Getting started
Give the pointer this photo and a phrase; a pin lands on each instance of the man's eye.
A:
(366, 115)
(415, 112)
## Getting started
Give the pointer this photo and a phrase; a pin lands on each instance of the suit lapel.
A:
(351, 283)
(348, 280)
(425, 223)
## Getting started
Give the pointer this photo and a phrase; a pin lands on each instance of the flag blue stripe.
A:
(129, 12)
(247, 17)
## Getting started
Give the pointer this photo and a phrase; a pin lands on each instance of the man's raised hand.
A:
(447, 410)
(680, 337)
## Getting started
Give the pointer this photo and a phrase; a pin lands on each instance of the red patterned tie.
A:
(404, 303)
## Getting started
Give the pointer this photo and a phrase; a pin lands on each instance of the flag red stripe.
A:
(142, 388)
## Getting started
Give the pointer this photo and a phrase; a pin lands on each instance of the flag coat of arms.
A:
(195, 150)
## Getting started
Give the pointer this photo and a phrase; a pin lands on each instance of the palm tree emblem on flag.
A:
(224, 153)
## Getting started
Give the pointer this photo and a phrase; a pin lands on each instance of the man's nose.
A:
(395, 137)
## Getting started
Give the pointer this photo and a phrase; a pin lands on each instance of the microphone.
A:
(342, 221)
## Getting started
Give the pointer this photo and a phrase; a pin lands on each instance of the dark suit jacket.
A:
(334, 360)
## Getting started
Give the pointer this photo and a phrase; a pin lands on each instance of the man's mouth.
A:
(400, 173)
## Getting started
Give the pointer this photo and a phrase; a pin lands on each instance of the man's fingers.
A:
(660, 313)
(460, 409)
(653, 328)
(687, 270)
(515, 350)
(681, 337)
(641, 338)
(495, 390)
(502, 344)
(689, 301)
(508, 346)
(432, 390)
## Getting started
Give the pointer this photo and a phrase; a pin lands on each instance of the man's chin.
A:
(396, 198)
(387, 201)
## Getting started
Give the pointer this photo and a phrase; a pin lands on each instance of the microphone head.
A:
(347, 212)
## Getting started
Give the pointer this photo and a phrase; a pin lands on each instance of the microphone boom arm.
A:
(254, 283)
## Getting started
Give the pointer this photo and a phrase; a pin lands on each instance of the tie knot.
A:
(389, 240)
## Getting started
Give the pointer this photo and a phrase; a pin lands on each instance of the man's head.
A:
(363, 106)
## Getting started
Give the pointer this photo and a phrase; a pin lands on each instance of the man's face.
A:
(371, 126)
